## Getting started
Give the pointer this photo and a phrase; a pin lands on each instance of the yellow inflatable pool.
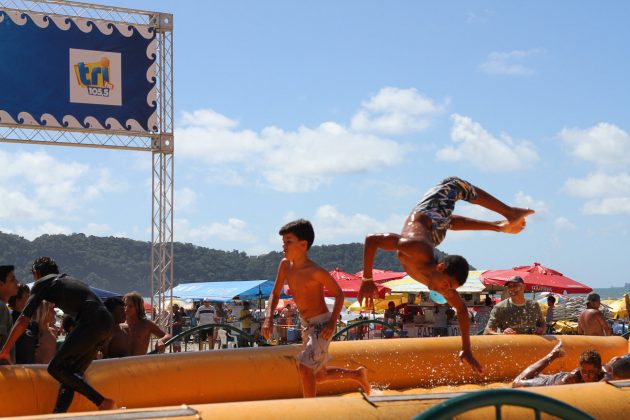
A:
(408, 375)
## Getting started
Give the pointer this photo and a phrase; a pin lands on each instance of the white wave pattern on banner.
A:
(50, 121)
(151, 72)
(134, 125)
(71, 122)
(85, 25)
(145, 31)
(152, 124)
(5, 117)
(62, 22)
(152, 49)
(105, 27)
(91, 122)
(152, 97)
(19, 18)
(26, 118)
(113, 124)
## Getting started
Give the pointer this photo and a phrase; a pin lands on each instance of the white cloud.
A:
(291, 161)
(599, 185)
(43, 187)
(608, 206)
(527, 201)
(37, 231)
(17, 207)
(104, 184)
(334, 226)
(605, 194)
(208, 118)
(185, 200)
(235, 230)
(509, 63)
(396, 111)
(562, 223)
(604, 144)
(476, 146)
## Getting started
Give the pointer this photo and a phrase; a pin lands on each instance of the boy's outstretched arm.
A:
(274, 297)
(386, 241)
(463, 320)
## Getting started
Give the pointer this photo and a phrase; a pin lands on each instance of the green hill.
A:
(122, 265)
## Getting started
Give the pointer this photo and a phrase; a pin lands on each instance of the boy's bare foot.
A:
(363, 380)
(516, 222)
(108, 404)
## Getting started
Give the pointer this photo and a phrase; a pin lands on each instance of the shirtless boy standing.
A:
(425, 229)
(139, 328)
(307, 281)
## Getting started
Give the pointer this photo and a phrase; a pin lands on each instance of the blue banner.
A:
(76, 73)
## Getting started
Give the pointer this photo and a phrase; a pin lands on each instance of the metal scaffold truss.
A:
(159, 142)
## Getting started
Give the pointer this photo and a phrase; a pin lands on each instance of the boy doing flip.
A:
(307, 281)
(425, 229)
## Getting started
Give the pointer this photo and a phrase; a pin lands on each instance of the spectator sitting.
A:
(515, 315)
(139, 328)
(118, 346)
(590, 370)
(591, 321)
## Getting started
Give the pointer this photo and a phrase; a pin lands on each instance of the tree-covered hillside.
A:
(122, 265)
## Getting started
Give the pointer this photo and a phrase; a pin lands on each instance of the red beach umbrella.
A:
(349, 283)
(537, 278)
(383, 275)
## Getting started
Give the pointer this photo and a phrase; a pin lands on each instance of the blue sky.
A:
(346, 112)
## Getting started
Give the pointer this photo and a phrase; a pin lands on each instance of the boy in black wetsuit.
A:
(93, 329)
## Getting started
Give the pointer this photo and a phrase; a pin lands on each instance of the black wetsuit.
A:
(93, 330)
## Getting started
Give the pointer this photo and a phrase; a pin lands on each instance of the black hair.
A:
(551, 298)
(621, 368)
(112, 302)
(457, 267)
(4, 272)
(488, 301)
(592, 357)
(301, 228)
(22, 288)
(45, 266)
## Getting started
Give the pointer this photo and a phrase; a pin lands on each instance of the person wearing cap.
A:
(516, 314)
(591, 321)
(425, 228)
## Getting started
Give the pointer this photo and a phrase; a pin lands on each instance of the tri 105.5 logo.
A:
(94, 77)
